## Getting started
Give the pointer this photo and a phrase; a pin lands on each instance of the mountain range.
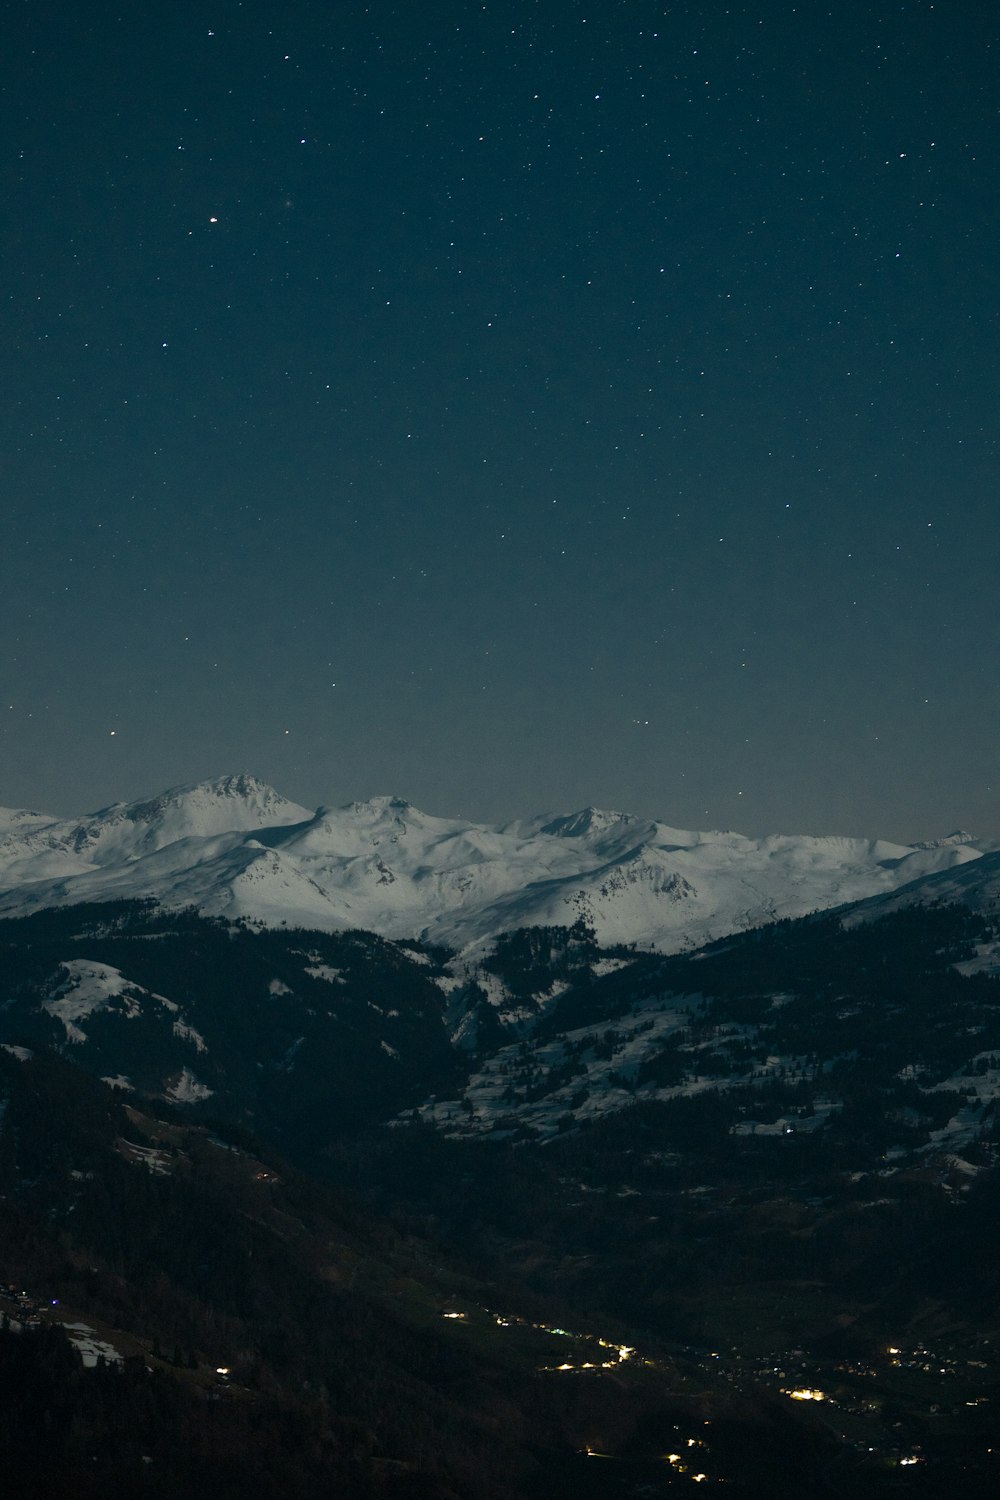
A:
(415, 1157)
(235, 848)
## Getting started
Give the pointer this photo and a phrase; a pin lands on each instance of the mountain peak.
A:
(218, 805)
(386, 803)
(239, 784)
(587, 820)
(960, 836)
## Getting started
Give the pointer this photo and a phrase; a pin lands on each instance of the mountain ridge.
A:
(235, 847)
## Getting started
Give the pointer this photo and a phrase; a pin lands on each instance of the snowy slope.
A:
(33, 846)
(83, 989)
(236, 848)
(976, 886)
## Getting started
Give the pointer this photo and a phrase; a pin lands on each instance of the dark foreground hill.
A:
(728, 1215)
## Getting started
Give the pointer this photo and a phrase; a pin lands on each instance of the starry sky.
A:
(509, 406)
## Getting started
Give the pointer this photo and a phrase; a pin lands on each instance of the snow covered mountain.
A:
(236, 848)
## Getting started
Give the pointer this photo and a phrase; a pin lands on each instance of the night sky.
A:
(510, 406)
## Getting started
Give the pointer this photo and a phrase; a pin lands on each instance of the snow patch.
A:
(189, 1034)
(324, 971)
(185, 1088)
(90, 1348)
(83, 988)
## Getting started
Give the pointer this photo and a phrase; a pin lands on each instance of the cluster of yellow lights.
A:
(624, 1352)
(606, 1364)
(806, 1393)
(676, 1462)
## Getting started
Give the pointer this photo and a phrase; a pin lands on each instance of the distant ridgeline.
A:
(235, 848)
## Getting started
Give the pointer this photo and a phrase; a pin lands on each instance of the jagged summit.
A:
(242, 784)
(386, 803)
(224, 805)
(241, 788)
(14, 819)
(960, 836)
(587, 820)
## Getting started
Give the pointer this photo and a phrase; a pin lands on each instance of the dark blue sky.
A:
(510, 406)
